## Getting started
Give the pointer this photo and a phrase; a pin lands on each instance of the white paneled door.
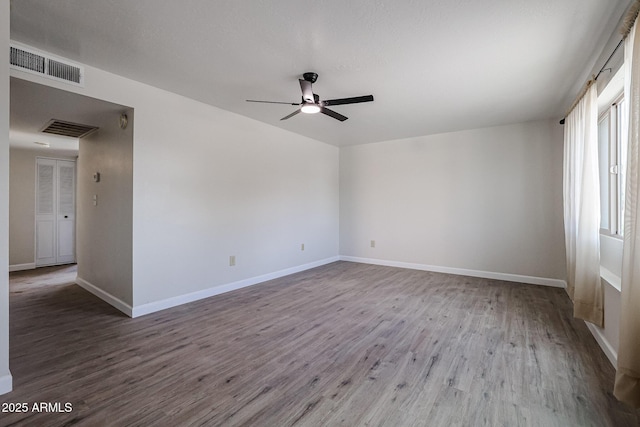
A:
(55, 211)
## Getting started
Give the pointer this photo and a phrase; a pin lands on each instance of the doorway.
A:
(55, 216)
(55, 211)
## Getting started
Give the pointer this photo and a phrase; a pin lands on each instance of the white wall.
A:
(5, 375)
(208, 184)
(611, 330)
(611, 271)
(22, 201)
(483, 200)
(104, 231)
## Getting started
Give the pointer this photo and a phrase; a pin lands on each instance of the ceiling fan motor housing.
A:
(316, 99)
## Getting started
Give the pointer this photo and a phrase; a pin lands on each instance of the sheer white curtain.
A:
(627, 387)
(581, 189)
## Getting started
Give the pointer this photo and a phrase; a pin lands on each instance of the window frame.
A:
(613, 113)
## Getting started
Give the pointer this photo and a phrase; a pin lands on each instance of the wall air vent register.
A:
(45, 65)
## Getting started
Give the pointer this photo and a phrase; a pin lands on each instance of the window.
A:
(612, 153)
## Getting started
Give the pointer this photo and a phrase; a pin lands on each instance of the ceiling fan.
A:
(311, 103)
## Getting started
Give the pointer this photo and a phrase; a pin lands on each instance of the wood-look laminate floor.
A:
(345, 344)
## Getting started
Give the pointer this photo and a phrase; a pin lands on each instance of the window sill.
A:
(610, 278)
(605, 232)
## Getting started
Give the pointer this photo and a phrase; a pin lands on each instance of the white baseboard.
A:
(604, 344)
(6, 384)
(556, 283)
(152, 307)
(20, 267)
(105, 296)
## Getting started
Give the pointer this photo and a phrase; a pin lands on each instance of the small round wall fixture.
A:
(124, 120)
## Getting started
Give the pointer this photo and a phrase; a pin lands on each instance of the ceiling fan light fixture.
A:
(309, 108)
(311, 103)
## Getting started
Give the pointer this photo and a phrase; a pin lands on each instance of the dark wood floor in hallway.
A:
(344, 344)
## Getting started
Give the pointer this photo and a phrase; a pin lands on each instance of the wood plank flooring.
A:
(341, 345)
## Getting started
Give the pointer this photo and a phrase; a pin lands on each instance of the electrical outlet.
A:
(373, 243)
(95, 200)
(302, 247)
(232, 260)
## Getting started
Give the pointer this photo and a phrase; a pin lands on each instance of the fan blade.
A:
(290, 115)
(272, 102)
(307, 93)
(354, 100)
(333, 114)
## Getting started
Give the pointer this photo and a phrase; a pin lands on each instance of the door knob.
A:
(66, 216)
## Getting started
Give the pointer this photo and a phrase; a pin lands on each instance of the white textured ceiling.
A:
(433, 65)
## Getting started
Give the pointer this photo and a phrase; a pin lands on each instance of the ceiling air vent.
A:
(46, 65)
(73, 130)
